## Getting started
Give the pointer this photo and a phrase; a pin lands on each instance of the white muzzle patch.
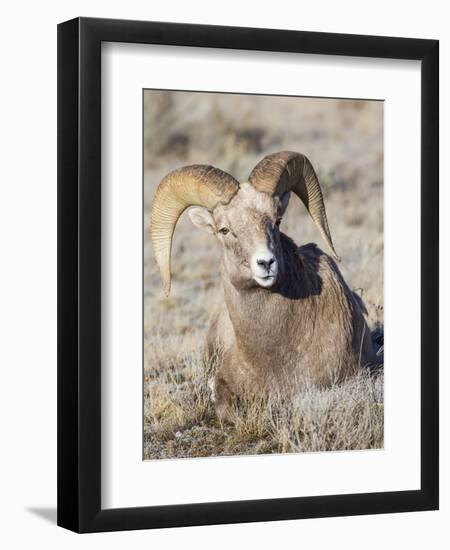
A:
(264, 267)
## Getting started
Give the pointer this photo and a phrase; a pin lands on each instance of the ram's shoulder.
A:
(311, 254)
(310, 250)
(316, 261)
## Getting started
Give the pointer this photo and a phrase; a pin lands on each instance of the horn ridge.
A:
(285, 171)
(198, 184)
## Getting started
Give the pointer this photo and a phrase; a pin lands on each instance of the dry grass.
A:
(344, 141)
(180, 419)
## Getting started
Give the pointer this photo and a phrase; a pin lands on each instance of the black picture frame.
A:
(79, 274)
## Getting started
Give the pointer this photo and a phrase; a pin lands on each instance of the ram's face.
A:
(248, 231)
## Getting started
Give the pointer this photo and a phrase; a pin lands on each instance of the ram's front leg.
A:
(223, 400)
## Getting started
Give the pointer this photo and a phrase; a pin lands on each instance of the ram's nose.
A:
(265, 268)
(266, 263)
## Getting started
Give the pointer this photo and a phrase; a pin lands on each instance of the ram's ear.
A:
(285, 201)
(202, 219)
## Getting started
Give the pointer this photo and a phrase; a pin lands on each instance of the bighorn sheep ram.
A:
(289, 318)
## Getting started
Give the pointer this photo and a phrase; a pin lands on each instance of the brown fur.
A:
(303, 326)
(308, 327)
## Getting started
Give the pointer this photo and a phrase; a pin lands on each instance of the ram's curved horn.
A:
(199, 185)
(288, 171)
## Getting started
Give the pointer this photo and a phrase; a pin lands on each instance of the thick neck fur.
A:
(265, 318)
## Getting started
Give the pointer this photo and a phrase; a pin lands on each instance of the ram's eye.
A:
(277, 223)
(224, 230)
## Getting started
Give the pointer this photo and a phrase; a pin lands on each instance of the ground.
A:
(344, 141)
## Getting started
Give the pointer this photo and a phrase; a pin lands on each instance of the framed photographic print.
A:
(248, 275)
